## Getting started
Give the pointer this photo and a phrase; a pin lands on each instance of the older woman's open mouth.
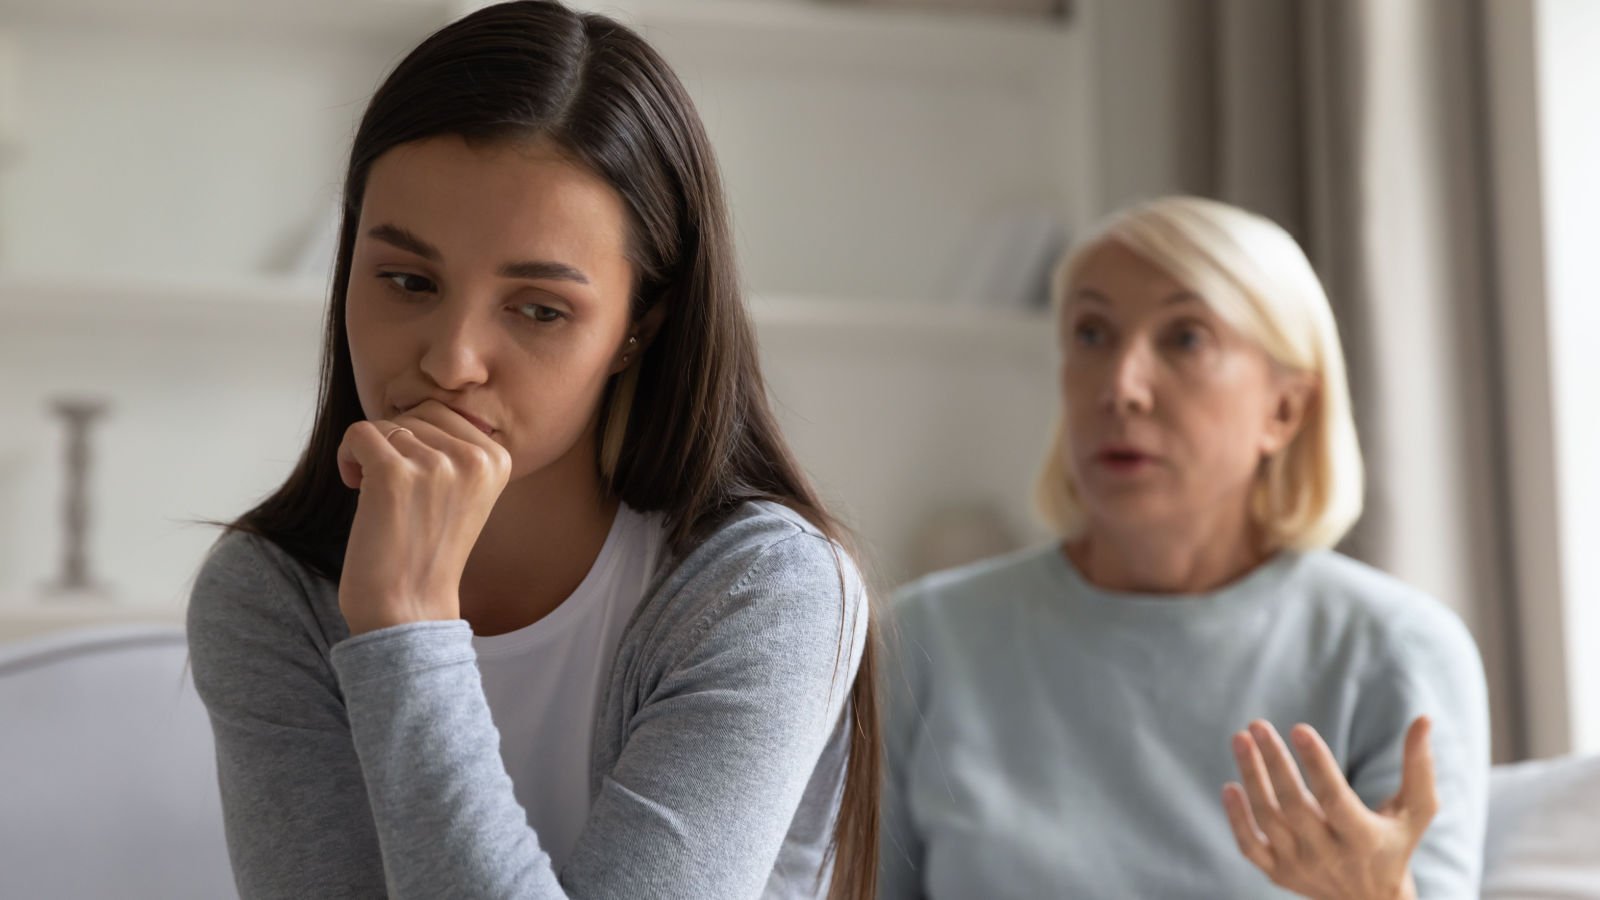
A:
(1124, 459)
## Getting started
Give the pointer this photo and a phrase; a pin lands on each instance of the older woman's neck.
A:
(1195, 559)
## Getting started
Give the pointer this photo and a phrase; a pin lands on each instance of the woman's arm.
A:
(294, 806)
(708, 781)
(1405, 816)
(1435, 671)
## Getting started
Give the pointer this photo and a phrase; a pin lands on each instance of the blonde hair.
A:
(1253, 274)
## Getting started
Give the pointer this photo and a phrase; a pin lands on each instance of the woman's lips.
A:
(476, 422)
(471, 419)
(1124, 461)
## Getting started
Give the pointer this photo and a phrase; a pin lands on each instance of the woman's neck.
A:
(541, 540)
(1191, 558)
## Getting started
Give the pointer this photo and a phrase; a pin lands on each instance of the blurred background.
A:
(902, 175)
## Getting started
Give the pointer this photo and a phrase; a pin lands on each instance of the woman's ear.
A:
(649, 325)
(1296, 393)
(640, 335)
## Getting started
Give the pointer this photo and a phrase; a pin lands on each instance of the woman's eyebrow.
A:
(539, 269)
(543, 270)
(396, 236)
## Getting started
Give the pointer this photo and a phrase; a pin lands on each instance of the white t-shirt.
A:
(543, 682)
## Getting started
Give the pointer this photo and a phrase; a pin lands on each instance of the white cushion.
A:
(107, 771)
(1544, 830)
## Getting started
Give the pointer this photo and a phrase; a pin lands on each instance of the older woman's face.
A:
(1169, 409)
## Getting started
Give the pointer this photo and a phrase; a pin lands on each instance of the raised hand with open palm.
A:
(1315, 836)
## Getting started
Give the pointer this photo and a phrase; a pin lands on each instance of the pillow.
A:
(1543, 840)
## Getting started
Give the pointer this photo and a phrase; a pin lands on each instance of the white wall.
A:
(1152, 95)
(1568, 32)
(868, 162)
(153, 152)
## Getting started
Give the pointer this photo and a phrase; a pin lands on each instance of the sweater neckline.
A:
(1243, 591)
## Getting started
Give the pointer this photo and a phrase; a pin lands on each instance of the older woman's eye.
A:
(408, 283)
(1188, 337)
(1088, 334)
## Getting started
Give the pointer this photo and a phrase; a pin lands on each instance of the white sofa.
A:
(108, 784)
(107, 777)
(1544, 831)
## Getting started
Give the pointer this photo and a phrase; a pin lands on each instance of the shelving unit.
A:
(259, 307)
(172, 148)
(923, 125)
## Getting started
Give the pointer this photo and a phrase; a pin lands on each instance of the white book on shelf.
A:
(1011, 257)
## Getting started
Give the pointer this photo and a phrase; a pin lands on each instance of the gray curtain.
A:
(1362, 125)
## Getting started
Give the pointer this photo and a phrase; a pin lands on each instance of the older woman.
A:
(1104, 716)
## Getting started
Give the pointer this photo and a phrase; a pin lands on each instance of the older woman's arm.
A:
(1435, 670)
(900, 848)
(1405, 816)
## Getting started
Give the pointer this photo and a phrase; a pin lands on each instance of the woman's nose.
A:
(1127, 386)
(455, 349)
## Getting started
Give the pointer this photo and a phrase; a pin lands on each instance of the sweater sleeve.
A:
(1434, 670)
(713, 770)
(294, 806)
(900, 847)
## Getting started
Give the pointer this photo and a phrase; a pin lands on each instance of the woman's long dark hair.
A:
(689, 432)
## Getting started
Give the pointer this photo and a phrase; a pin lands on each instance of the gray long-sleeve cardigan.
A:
(370, 766)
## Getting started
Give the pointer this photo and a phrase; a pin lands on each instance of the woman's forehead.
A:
(1113, 272)
(497, 204)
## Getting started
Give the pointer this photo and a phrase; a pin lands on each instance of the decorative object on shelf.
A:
(1012, 257)
(960, 534)
(78, 413)
(10, 104)
(1049, 8)
(308, 255)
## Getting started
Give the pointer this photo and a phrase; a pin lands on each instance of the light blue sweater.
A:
(1050, 739)
(370, 766)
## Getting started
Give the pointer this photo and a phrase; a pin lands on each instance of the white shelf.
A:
(819, 36)
(253, 306)
(376, 18)
(837, 30)
(892, 326)
(249, 305)
(22, 617)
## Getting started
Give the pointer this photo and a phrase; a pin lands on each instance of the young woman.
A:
(1067, 717)
(546, 609)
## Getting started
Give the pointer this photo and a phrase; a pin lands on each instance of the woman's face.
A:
(1169, 409)
(493, 279)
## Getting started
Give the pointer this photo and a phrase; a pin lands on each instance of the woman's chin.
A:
(1133, 510)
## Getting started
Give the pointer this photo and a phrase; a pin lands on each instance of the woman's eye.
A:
(1088, 334)
(407, 283)
(539, 313)
(1188, 337)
